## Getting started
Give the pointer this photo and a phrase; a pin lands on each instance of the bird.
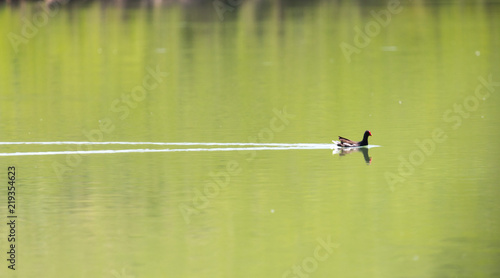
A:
(346, 143)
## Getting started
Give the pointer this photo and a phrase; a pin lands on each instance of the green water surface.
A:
(267, 72)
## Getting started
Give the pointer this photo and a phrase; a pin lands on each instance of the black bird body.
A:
(346, 143)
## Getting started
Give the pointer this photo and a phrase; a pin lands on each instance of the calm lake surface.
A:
(265, 72)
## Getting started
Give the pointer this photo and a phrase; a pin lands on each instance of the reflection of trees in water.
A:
(142, 3)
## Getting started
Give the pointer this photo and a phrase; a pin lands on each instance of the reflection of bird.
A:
(346, 143)
(368, 159)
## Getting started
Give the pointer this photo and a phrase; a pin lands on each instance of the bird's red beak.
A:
(370, 133)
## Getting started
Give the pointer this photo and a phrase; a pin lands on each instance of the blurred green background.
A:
(121, 215)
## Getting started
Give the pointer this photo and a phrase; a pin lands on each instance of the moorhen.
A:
(346, 143)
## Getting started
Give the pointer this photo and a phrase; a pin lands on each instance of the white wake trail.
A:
(308, 147)
(164, 143)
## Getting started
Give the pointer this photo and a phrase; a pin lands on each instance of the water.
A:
(268, 73)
